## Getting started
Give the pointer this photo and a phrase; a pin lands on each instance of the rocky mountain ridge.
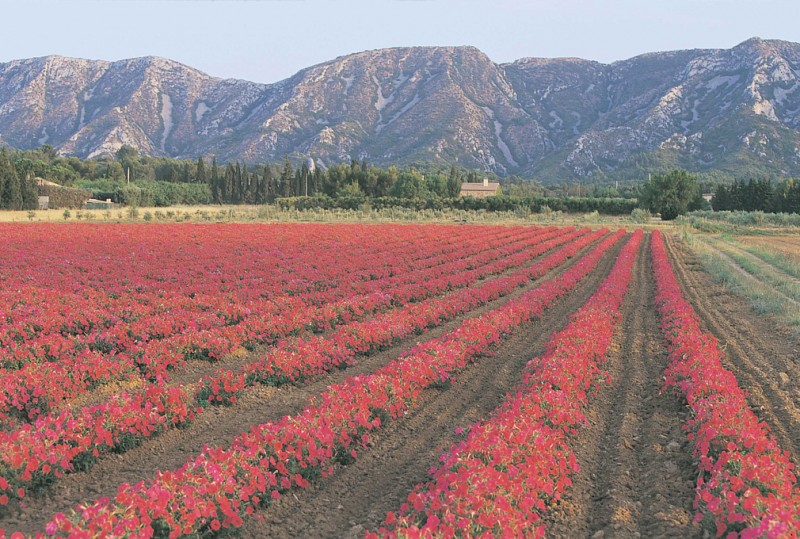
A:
(551, 118)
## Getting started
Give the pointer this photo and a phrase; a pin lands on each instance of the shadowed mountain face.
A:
(552, 118)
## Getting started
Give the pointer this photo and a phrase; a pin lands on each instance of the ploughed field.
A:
(385, 381)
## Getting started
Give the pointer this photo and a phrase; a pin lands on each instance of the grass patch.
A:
(762, 296)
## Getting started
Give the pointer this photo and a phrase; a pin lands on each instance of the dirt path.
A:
(637, 476)
(215, 426)
(766, 362)
(358, 496)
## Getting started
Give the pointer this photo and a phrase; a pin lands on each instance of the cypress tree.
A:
(214, 168)
(200, 176)
(4, 177)
(11, 195)
(30, 194)
(228, 184)
(237, 194)
(315, 183)
(453, 183)
(269, 185)
(216, 188)
(286, 178)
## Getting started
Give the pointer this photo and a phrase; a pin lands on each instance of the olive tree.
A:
(670, 194)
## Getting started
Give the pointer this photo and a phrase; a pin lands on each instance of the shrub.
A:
(640, 216)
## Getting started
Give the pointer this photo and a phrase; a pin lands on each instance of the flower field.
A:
(365, 380)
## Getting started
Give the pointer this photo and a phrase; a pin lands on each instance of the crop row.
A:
(35, 388)
(35, 303)
(78, 318)
(37, 454)
(500, 479)
(301, 359)
(747, 486)
(219, 487)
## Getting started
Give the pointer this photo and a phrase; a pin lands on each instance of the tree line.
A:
(263, 185)
(139, 180)
(758, 194)
(16, 193)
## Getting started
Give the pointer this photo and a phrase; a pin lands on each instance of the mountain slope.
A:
(553, 118)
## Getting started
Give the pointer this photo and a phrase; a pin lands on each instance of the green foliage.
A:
(453, 183)
(640, 216)
(10, 186)
(519, 205)
(758, 194)
(703, 220)
(670, 194)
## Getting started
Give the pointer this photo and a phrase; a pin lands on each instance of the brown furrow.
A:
(216, 426)
(763, 361)
(358, 496)
(637, 476)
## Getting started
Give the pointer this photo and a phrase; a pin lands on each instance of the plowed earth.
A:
(637, 475)
(765, 361)
(359, 495)
(219, 425)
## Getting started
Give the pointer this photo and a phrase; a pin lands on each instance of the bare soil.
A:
(637, 476)
(219, 425)
(358, 496)
(762, 355)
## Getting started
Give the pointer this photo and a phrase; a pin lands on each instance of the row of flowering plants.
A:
(301, 359)
(36, 455)
(58, 443)
(117, 351)
(145, 314)
(413, 287)
(500, 479)
(747, 486)
(217, 489)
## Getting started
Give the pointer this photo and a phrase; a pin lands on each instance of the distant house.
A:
(59, 196)
(480, 190)
(94, 204)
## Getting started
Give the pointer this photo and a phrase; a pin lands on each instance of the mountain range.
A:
(560, 118)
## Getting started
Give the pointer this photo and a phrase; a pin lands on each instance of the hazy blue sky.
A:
(268, 40)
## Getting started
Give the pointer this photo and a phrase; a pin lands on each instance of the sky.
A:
(269, 40)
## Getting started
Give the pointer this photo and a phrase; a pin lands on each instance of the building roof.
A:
(469, 186)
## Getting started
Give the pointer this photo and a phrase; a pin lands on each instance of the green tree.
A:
(5, 176)
(200, 175)
(453, 183)
(669, 194)
(722, 198)
(408, 185)
(128, 157)
(30, 194)
(11, 192)
(228, 184)
(287, 177)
